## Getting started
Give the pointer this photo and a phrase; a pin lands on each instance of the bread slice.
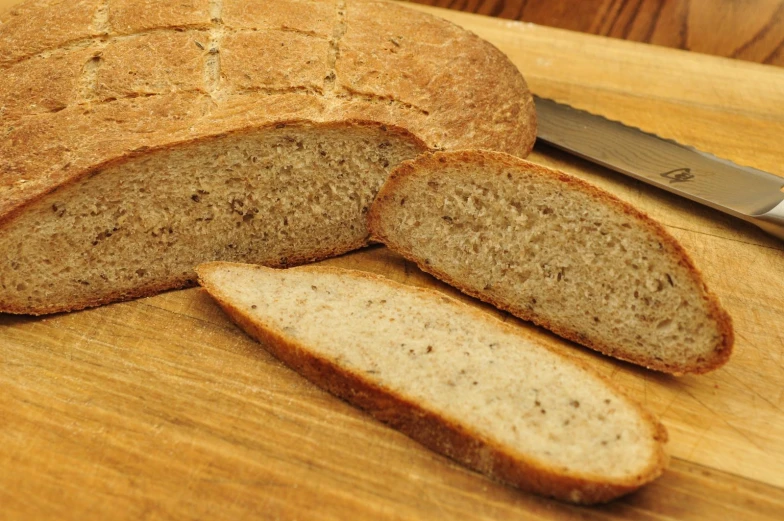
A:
(118, 118)
(454, 378)
(555, 250)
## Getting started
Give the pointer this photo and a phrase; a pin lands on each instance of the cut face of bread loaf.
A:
(276, 196)
(183, 93)
(555, 250)
(454, 378)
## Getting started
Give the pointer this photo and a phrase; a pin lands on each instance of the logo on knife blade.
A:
(679, 175)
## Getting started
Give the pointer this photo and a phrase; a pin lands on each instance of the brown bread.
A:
(139, 138)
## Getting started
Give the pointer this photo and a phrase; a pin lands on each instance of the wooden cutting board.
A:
(161, 408)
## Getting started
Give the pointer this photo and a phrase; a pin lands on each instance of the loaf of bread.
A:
(140, 137)
(550, 248)
(454, 378)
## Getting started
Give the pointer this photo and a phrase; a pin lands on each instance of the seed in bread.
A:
(552, 249)
(454, 378)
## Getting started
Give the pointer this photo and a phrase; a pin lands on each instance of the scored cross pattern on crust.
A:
(113, 78)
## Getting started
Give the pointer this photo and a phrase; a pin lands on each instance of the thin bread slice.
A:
(452, 377)
(555, 250)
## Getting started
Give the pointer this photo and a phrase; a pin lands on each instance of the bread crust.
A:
(431, 430)
(722, 351)
(50, 149)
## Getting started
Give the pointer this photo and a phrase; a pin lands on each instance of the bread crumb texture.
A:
(454, 378)
(555, 250)
(116, 89)
(277, 197)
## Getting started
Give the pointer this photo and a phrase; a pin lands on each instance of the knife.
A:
(747, 193)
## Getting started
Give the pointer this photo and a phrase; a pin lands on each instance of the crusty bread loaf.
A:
(454, 378)
(555, 250)
(117, 115)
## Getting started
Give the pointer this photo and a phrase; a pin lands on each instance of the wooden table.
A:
(751, 30)
(161, 409)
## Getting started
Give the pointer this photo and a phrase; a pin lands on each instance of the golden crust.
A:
(133, 16)
(716, 312)
(152, 77)
(242, 71)
(160, 63)
(314, 18)
(432, 430)
(35, 87)
(65, 21)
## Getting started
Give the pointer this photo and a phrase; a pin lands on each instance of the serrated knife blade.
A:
(747, 193)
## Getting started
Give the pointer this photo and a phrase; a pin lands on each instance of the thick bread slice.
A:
(280, 195)
(555, 250)
(452, 377)
(165, 95)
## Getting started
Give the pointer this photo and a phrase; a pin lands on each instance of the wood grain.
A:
(160, 408)
(751, 30)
